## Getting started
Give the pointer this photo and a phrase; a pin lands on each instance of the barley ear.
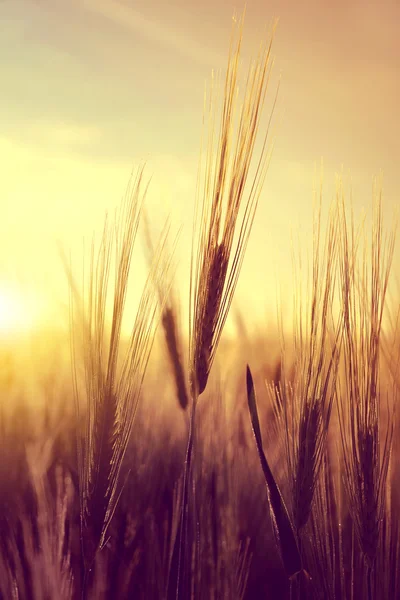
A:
(169, 306)
(227, 194)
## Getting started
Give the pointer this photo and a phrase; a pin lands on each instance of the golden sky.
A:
(90, 88)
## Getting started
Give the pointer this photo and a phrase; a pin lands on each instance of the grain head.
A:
(220, 235)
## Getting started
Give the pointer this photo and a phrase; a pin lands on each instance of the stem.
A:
(183, 538)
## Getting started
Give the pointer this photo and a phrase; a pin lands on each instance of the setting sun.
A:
(18, 312)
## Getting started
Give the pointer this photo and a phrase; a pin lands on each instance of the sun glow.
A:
(18, 311)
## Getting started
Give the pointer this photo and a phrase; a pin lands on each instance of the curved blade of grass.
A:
(282, 525)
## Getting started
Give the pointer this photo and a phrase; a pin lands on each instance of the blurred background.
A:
(91, 89)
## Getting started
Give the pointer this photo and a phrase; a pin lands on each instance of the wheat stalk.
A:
(217, 257)
(217, 254)
(170, 324)
(112, 379)
(307, 404)
(366, 458)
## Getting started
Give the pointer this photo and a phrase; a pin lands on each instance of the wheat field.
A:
(166, 465)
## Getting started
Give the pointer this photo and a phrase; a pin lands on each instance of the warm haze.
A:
(91, 88)
(167, 434)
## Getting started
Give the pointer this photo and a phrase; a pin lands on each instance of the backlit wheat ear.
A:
(170, 324)
(219, 241)
(366, 459)
(307, 404)
(214, 277)
(112, 382)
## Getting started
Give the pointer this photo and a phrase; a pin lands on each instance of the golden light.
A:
(18, 311)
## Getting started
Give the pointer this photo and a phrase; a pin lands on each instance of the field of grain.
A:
(173, 465)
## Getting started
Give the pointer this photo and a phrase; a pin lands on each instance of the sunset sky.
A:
(89, 89)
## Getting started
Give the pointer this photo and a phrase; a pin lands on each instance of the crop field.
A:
(146, 458)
